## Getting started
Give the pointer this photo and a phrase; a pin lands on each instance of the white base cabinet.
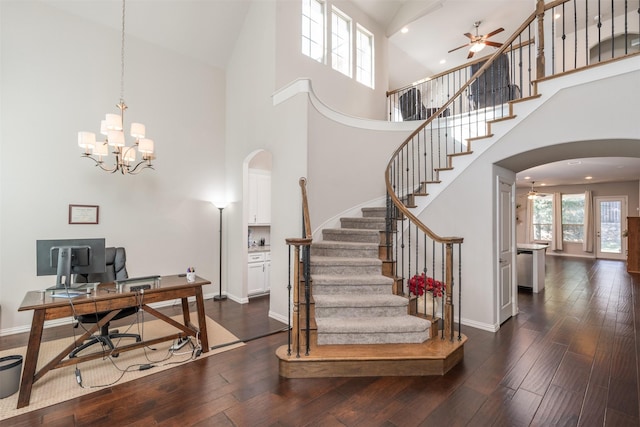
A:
(258, 273)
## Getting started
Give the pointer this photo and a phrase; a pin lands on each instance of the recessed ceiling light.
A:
(574, 162)
(588, 177)
(404, 30)
(442, 61)
(543, 184)
(527, 177)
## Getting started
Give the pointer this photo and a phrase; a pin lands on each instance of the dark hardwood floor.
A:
(568, 358)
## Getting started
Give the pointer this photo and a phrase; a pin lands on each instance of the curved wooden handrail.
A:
(394, 197)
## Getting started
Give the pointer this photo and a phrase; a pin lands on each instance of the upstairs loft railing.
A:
(458, 106)
(559, 37)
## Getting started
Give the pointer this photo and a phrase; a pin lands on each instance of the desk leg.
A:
(202, 320)
(31, 359)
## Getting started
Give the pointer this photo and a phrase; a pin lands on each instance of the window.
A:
(316, 42)
(542, 218)
(341, 42)
(364, 56)
(313, 29)
(573, 217)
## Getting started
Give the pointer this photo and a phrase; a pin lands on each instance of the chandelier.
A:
(111, 127)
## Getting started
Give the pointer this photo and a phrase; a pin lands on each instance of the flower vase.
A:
(427, 304)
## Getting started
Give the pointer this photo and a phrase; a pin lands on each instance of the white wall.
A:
(569, 124)
(60, 75)
(346, 166)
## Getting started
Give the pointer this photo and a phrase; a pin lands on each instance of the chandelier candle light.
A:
(112, 128)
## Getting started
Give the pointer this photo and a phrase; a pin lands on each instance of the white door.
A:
(506, 248)
(610, 218)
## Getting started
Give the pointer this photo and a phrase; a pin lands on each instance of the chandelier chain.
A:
(122, 57)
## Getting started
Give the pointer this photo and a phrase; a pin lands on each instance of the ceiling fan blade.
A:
(494, 44)
(470, 54)
(493, 33)
(469, 35)
(460, 47)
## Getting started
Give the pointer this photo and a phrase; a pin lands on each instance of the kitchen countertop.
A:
(265, 248)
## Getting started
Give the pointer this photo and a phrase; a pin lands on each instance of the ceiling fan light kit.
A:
(478, 42)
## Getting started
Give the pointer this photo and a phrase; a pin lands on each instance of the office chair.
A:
(116, 269)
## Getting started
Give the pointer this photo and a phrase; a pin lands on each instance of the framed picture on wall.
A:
(83, 214)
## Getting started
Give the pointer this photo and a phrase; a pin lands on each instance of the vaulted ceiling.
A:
(207, 29)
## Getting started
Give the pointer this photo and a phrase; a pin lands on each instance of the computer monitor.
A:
(66, 257)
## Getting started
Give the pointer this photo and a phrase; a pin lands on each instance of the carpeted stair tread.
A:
(343, 279)
(366, 325)
(351, 235)
(368, 223)
(344, 244)
(379, 212)
(345, 300)
(345, 249)
(343, 261)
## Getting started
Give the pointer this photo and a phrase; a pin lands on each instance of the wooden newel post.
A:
(297, 280)
(448, 304)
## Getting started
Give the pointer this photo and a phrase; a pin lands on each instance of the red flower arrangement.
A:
(420, 283)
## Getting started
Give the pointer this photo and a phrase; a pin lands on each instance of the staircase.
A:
(354, 302)
(358, 326)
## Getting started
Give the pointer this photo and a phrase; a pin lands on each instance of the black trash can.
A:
(10, 370)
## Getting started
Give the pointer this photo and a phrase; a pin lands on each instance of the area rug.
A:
(60, 384)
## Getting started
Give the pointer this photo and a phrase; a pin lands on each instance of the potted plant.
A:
(426, 289)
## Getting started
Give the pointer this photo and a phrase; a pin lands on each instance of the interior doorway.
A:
(258, 223)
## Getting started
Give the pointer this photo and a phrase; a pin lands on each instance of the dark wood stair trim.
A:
(433, 357)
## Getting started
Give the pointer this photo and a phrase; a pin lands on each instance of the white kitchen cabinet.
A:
(259, 197)
(258, 272)
(267, 272)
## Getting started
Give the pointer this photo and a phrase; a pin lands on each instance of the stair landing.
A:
(434, 357)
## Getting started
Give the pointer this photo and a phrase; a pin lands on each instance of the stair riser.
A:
(345, 252)
(392, 311)
(347, 236)
(345, 269)
(326, 289)
(374, 212)
(373, 338)
(358, 223)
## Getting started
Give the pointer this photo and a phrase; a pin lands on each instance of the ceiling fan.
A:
(478, 42)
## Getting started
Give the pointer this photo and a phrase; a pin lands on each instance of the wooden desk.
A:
(106, 299)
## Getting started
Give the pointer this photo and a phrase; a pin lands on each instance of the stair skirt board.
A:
(434, 357)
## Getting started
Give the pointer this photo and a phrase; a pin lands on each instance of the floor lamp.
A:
(220, 297)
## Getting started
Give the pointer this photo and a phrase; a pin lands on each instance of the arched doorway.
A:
(257, 215)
